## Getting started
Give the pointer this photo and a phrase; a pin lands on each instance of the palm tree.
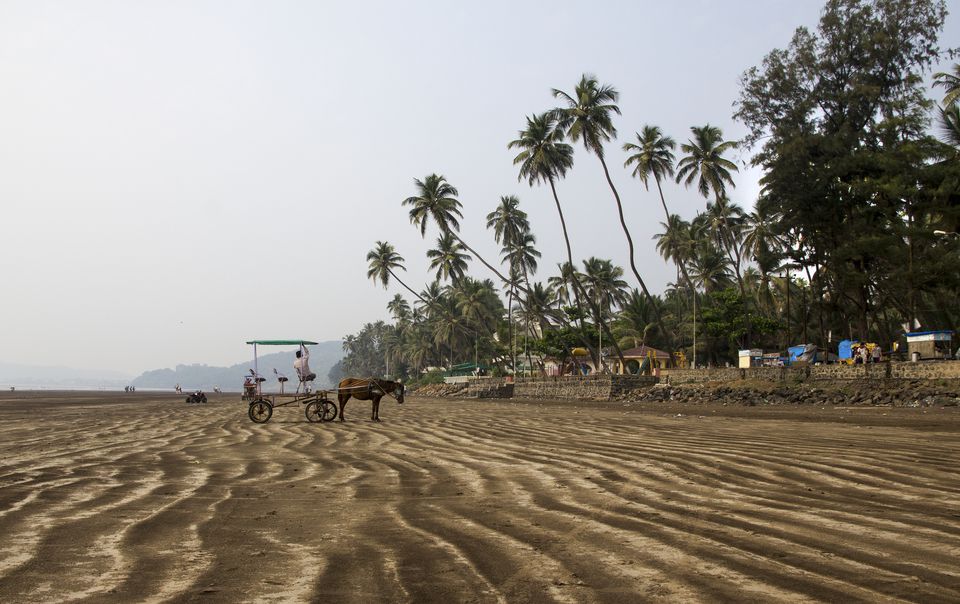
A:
(447, 324)
(676, 242)
(949, 82)
(705, 163)
(508, 221)
(710, 267)
(563, 283)
(522, 254)
(635, 320)
(764, 246)
(448, 259)
(606, 290)
(478, 303)
(383, 259)
(949, 122)
(604, 282)
(653, 156)
(724, 221)
(542, 307)
(436, 200)
(399, 309)
(588, 118)
(544, 158)
(512, 228)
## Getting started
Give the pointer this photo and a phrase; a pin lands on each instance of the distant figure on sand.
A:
(178, 389)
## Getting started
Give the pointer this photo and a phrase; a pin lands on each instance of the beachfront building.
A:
(635, 357)
(930, 345)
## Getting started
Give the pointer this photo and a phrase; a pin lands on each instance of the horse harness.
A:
(383, 391)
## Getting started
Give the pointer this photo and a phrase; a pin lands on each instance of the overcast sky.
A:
(177, 177)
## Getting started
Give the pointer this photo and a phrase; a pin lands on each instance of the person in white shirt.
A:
(302, 365)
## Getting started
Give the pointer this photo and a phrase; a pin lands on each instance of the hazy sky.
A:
(179, 177)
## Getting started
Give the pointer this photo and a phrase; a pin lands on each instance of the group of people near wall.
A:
(862, 354)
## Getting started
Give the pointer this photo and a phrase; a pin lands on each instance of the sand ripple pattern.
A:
(120, 498)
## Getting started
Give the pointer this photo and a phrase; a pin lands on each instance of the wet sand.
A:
(115, 497)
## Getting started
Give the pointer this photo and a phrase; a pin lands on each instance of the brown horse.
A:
(368, 390)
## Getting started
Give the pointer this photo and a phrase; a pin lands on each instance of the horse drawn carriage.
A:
(318, 404)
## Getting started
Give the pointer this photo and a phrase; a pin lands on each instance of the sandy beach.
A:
(115, 497)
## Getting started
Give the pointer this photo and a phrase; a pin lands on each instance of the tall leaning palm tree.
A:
(382, 261)
(705, 164)
(436, 201)
(448, 259)
(544, 158)
(588, 118)
(399, 309)
(652, 156)
(508, 221)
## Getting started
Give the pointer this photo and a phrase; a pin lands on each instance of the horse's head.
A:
(398, 391)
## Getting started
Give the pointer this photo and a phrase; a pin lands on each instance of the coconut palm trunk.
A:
(626, 231)
(578, 287)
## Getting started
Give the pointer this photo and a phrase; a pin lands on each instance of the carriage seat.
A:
(304, 379)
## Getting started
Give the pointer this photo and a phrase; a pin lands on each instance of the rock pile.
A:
(893, 393)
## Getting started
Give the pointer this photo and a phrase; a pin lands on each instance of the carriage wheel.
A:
(260, 411)
(314, 412)
(329, 410)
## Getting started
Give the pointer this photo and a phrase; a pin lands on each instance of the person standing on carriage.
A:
(302, 366)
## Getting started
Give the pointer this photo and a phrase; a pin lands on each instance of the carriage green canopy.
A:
(282, 342)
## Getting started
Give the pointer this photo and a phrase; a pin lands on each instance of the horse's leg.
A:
(375, 416)
(342, 398)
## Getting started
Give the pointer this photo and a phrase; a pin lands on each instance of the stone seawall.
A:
(590, 387)
(927, 370)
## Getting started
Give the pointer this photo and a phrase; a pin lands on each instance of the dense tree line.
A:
(854, 233)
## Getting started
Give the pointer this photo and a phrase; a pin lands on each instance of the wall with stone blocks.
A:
(590, 387)
(925, 370)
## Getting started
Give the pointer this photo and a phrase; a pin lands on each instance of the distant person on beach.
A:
(178, 389)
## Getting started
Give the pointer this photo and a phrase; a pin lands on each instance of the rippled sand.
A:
(115, 497)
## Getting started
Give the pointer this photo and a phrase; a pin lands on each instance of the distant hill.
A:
(323, 356)
(32, 376)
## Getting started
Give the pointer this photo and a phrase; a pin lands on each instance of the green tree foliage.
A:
(852, 236)
(849, 167)
(729, 321)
